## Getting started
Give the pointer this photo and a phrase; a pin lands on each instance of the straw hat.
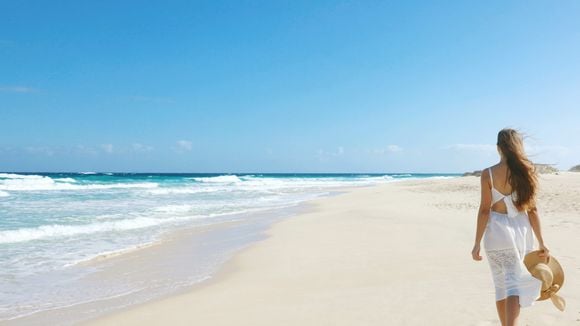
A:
(549, 271)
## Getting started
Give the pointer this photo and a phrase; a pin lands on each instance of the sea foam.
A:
(181, 190)
(220, 179)
(14, 182)
(19, 176)
(57, 230)
(70, 180)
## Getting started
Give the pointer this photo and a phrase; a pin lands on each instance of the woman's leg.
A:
(501, 311)
(512, 310)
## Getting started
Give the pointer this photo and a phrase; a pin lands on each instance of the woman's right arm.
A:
(483, 214)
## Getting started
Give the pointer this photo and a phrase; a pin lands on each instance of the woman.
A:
(507, 216)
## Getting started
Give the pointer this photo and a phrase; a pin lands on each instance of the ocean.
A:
(60, 233)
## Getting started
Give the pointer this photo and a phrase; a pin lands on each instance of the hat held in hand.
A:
(549, 271)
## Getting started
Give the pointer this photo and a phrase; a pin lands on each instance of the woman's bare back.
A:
(500, 176)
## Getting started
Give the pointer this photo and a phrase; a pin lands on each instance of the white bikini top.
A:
(512, 210)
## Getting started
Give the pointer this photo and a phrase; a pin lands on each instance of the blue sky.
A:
(285, 86)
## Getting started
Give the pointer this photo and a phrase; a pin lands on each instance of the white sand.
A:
(395, 254)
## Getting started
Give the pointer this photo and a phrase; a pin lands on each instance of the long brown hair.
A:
(521, 171)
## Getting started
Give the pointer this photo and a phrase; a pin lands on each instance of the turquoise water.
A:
(50, 223)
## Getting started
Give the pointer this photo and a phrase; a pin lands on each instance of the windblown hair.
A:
(521, 171)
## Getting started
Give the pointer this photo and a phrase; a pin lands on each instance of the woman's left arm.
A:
(536, 227)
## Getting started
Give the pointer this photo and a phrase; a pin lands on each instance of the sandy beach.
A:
(393, 254)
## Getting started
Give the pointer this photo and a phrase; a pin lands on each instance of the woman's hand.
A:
(475, 252)
(545, 252)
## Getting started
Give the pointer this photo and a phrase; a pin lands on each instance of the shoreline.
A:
(116, 262)
(353, 260)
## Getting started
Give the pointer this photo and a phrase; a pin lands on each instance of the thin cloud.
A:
(182, 146)
(471, 147)
(40, 150)
(533, 150)
(6, 149)
(389, 149)
(339, 151)
(17, 89)
(323, 154)
(107, 148)
(558, 155)
(90, 150)
(394, 148)
(141, 148)
(548, 149)
(85, 150)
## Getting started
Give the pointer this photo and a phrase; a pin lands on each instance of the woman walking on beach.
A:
(507, 216)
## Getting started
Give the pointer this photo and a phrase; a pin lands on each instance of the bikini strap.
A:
(491, 177)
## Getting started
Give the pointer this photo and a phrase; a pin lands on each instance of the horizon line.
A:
(150, 172)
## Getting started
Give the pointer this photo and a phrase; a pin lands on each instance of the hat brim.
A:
(533, 258)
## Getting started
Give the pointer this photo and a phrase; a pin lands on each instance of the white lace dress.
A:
(507, 239)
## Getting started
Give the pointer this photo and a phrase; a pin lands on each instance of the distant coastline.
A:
(541, 168)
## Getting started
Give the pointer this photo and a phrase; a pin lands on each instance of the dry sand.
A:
(395, 254)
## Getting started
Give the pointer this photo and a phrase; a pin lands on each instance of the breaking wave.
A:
(219, 179)
(59, 230)
(19, 182)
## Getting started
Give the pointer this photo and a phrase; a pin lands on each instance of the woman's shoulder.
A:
(485, 171)
(492, 169)
(485, 177)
